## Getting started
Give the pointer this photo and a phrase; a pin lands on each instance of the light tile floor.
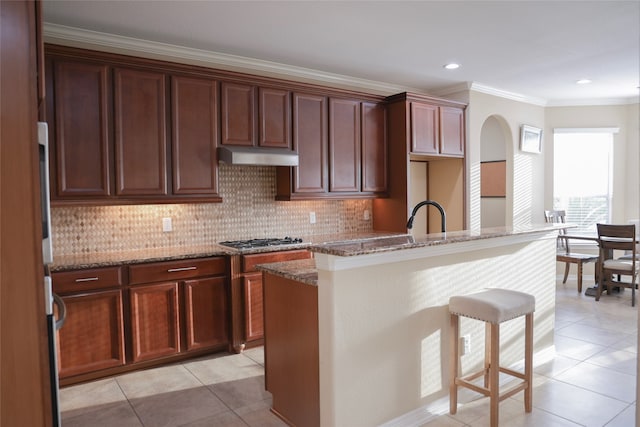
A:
(590, 382)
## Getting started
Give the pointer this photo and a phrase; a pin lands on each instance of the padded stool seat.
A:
(492, 306)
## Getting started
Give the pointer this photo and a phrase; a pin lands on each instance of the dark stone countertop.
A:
(107, 259)
(367, 246)
(302, 270)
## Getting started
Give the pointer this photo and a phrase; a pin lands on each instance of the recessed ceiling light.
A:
(583, 81)
(451, 66)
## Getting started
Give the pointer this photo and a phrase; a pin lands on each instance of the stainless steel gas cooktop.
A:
(259, 243)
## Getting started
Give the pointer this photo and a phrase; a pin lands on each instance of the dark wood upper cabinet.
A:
(437, 130)
(140, 133)
(310, 142)
(81, 145)
(133, 130)
(452, 131)
(342, 149)
(424, 128)
(253, 116)
(374, 147)
(194, 114)
(344, 145)
(275, 118)
(238, 105)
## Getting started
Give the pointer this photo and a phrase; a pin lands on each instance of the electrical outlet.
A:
(166, 225)
(312, 217)
(466, 344)
(367, 215)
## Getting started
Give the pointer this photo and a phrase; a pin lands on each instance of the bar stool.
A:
(492, 306)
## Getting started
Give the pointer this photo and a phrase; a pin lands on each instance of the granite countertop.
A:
(106, 259)
(407, 241)
(302, 270)
(305, 270)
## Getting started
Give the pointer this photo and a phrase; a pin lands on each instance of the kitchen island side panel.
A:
(384, 326)
(291, 349)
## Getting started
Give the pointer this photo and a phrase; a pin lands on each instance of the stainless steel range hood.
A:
(257, 156)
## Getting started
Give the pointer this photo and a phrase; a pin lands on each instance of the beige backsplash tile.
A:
(248, 210)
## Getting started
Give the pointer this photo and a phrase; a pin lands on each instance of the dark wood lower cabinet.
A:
(206, 313)
(155, 324)
(247, 295)
(253, 315)
(124, 318)
(93, 335)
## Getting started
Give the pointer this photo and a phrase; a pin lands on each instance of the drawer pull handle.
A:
(87, 279)
(174, 270)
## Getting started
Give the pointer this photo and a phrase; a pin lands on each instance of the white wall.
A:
(525, 171)
(530, 176)
(626, 161)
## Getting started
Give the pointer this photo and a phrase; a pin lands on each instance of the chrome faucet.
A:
(432, 203)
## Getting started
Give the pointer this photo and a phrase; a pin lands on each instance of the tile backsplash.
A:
(248, 210)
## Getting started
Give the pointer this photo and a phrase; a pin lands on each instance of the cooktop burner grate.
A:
(258, 243)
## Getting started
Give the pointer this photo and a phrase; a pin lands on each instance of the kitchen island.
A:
(377, 350)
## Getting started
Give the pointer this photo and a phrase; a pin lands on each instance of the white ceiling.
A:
(536, 49)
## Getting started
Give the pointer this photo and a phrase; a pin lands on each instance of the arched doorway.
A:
(495, 194)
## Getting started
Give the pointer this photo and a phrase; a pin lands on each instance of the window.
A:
(582, 176)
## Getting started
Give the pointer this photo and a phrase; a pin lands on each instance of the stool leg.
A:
(528, 362)
(453, 374)
(494, 371)
(487, 353)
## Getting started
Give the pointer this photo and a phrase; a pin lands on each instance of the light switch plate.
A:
(167, 225)
(312, 217)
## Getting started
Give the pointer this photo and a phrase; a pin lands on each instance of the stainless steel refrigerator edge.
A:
(47, 258)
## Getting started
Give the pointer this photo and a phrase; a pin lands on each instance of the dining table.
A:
(592, 291)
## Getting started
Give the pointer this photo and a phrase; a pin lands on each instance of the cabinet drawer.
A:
(249, 262)
(87, 279)
(176, 270)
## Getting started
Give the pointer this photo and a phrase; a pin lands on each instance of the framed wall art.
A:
(530, 139)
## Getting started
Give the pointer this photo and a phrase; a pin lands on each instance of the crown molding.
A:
(479, 87)
(595, 102)
(81, 38)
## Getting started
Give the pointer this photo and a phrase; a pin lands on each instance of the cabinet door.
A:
(238, 114)
(424, 128)
(275, 118)
(253, 310)
(155, 327)
(452, 131)
(81, 145)
(310, 141)
(344, 145)
(194, 114)
(374, 147)
(206, 316)
(92, 337)
(140, 139)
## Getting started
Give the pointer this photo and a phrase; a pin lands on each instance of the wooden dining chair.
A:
(613, 238)
(564, 253)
